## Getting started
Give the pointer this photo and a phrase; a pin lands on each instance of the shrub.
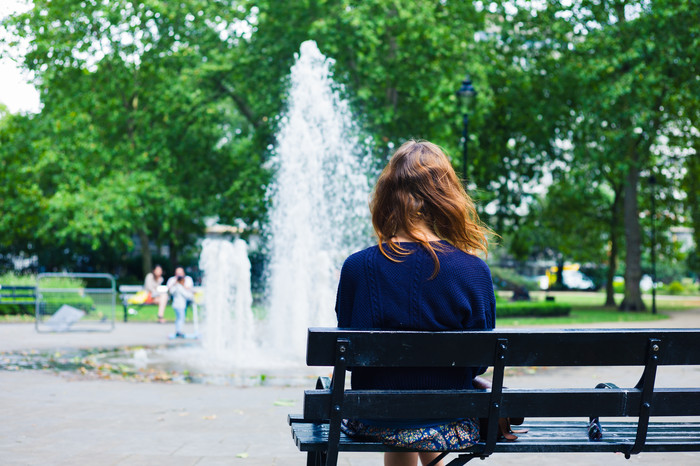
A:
(532, 309)
(675, 287)
(50, 304)
(10, 308)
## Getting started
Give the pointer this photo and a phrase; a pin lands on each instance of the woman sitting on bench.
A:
(422, 275)
(153, 280)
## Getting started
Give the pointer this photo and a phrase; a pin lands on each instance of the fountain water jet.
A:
(228, 327)
(319, 198)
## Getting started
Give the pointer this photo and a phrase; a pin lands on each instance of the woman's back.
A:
(376, 292)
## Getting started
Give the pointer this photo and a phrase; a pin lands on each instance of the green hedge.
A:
(52, 303)
(532, 309)
(8, 308)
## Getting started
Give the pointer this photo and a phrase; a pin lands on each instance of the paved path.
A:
(50, 419)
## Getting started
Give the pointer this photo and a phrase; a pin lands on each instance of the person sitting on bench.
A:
(422, 275)
(151, 283)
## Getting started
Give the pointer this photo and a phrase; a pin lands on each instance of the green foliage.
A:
(685, 287)
(532, 309)
(131, 139)
(619, 287)
(509, 279)
(675, 288)
(13, 279)
(157, 115)
(51, 301)
(16, 309)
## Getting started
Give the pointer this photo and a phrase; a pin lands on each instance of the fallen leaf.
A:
(285, 403)
(242, 455)
(209, 418)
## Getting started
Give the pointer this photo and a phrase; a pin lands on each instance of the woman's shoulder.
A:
(356, 259)
(459, 259)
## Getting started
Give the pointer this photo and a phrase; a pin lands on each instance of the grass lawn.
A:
(144, 314)
(587, 308)
(580, 316)
(149, 313)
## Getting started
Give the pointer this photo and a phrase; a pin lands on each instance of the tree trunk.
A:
(559, 283)
(633, 240)
(614, 247)
(693, 190)
(173, 255)
(612, 266)
(146, 258)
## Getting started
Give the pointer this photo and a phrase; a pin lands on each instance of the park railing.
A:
(75, 302)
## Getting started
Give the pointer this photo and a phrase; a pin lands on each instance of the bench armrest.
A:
(323, 383)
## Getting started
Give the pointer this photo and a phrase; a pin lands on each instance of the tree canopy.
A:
(156, 116)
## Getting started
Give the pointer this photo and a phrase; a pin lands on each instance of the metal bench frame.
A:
(317, 431)
(126, 292)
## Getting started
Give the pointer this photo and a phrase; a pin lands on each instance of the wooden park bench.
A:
(126, 292)
(10, 294)
(318, 433)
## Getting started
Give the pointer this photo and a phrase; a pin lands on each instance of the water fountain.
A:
(318, 216)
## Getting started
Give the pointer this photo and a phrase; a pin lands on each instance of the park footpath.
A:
(66, 419)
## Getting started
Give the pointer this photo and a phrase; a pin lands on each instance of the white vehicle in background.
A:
(646, 283)
(575, 280)
(572, 277)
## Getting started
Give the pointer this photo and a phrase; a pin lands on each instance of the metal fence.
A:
(68, 302)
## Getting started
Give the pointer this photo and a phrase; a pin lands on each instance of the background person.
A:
(422, 275)
(181, 295)
(180, 272)
(188, 284)
(151, 283)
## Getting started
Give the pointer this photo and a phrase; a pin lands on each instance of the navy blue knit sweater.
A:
(376, 293)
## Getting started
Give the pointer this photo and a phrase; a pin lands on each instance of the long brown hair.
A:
(419, 184)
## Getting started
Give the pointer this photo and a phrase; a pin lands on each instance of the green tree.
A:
(628, 61)
(566, 224)
(135, 143)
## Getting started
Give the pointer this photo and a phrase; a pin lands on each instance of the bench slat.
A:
(383, 348)
(409, 404)
(543, 436)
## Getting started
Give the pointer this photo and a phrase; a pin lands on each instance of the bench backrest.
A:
(14, 293)
(647, 348)
(378, 348)
(130, 289)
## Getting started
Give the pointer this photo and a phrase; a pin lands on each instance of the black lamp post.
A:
(464, 94)
(652, 183)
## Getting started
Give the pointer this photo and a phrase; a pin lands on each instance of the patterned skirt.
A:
(455, 435)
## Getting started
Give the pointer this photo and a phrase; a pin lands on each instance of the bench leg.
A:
(463, 459)
(316, 458)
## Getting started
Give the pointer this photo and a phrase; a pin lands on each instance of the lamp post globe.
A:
(465, 93)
